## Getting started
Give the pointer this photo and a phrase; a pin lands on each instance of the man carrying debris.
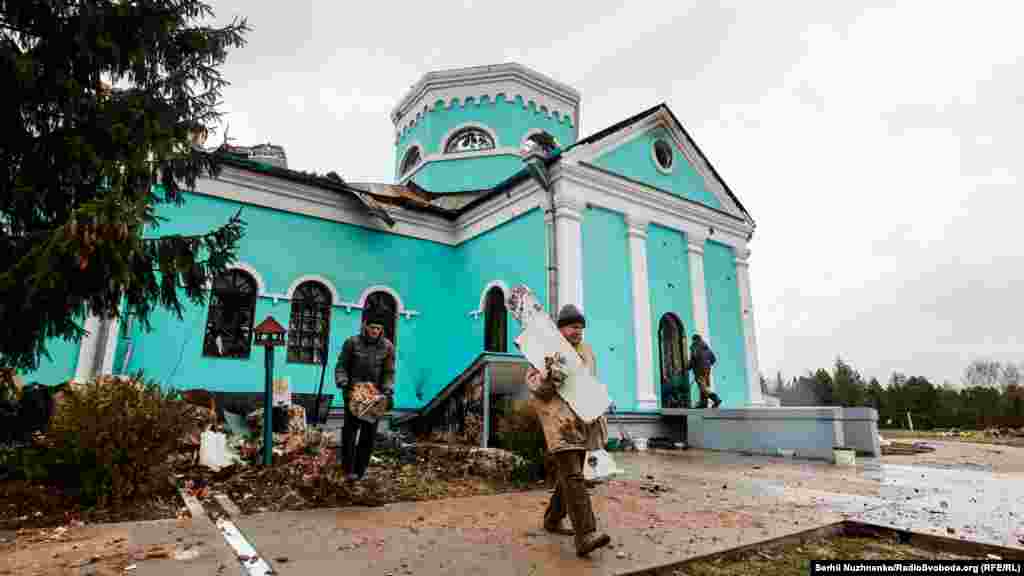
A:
(365, 357)
(701, 360)
(568, 438)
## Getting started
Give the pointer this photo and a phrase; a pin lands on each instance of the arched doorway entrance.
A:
(675, 385)
(495, 321)
(386, 303)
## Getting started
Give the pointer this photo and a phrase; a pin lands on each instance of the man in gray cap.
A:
(568, 438)
(366, 357)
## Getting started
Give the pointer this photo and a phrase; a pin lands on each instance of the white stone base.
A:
(810, 432)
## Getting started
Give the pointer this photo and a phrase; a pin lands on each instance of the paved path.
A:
(666, 507)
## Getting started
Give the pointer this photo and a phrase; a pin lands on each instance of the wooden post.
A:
(268, 409)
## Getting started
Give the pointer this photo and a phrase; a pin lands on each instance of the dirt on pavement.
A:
(795, 559)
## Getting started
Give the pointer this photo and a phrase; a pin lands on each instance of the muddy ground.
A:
(793, 559)
(30, 505)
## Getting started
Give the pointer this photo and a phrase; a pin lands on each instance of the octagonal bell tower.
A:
(461, 130)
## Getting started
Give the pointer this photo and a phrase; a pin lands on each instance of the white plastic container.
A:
(213, 450)
(641, 443)
(600, 466)
(844, 456)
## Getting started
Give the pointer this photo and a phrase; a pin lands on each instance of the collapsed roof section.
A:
(377, 197)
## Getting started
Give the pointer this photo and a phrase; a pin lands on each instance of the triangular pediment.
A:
(653, 149)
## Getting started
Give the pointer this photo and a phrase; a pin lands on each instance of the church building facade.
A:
(493, 187)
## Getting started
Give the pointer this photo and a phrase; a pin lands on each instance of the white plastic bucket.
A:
(844, 456)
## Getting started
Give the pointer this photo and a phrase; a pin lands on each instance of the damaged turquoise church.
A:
(494, 186)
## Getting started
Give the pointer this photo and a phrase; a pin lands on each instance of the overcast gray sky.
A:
(878, 147)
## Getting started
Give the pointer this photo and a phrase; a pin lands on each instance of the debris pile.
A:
(311, 477)
(906, 449)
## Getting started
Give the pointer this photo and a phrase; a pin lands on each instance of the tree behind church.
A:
(85, 166)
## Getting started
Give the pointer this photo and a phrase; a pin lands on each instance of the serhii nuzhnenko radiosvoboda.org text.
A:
(917, 567)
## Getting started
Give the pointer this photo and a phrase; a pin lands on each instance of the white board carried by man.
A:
(543, 342)
(540, 337)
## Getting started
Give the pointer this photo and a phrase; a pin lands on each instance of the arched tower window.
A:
(383, 301)
(310, 323)
(495, 322)
(470, 139)
(412, 157)
(230, 315)
(675, 387)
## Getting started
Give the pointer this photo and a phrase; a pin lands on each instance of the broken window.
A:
(663, 154)
(675, 391)
(469, 140)
(546, 142)
(230, 316)
(310, 324)
(412, 157)
(495, 321)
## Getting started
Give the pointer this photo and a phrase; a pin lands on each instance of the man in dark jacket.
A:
(701, 360)
(365, 357)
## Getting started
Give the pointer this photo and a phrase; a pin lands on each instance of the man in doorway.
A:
(568, 438)
(701, 360)
(366, 357)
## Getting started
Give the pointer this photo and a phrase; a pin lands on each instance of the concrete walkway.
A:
(666, 507)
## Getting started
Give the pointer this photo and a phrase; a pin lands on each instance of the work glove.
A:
(555, 369)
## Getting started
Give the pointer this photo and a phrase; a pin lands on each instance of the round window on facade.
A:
(663, 155)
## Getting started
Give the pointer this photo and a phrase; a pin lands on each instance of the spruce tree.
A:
(103, 100)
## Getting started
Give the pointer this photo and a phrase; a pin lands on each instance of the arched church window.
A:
(675, 390)
(310, 323)
(412, 157)
(469, 140)
(386, 302)
(495, 322)
(230, 315)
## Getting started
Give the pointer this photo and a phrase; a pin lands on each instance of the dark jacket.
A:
(701, 356)
(362, 360)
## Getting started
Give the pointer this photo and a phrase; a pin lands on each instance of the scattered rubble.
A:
(310, 477)
(903, 449)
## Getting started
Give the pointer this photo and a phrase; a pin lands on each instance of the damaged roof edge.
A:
(337, 186)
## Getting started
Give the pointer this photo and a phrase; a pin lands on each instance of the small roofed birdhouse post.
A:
(269, 334)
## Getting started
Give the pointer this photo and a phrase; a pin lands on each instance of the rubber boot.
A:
(582, 514)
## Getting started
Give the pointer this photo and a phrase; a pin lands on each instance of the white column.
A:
(695, 249)
(750, 337)
(569, 208)
(645, 394)
(110, 345)
(87, 349)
